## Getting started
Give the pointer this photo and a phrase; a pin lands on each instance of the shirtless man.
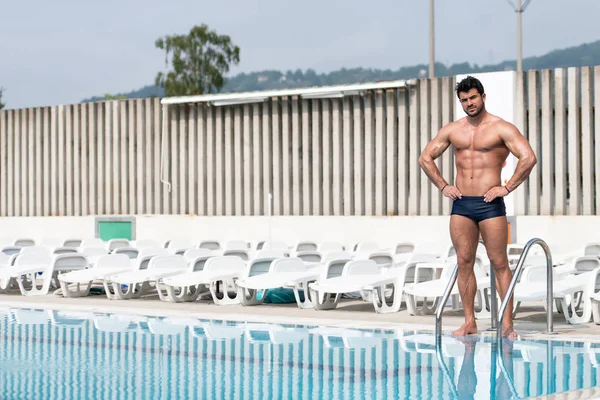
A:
(482, 143)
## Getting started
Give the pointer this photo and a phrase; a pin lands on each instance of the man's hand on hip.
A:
(493, 193)
(452, 192)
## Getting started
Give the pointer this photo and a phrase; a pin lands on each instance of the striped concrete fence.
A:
(354, 154)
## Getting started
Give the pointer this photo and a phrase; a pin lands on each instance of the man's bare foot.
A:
(509, 332)
(468, 328)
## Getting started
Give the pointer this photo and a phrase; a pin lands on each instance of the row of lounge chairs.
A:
(319, 274)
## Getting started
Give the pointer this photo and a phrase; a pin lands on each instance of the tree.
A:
(1, 103)
(109, 96)
(199, 61)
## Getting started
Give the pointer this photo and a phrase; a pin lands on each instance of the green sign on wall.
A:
(115, 228)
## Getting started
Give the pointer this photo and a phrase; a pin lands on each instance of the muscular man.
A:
(482, 143)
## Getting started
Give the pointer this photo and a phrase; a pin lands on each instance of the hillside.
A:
(584, 55)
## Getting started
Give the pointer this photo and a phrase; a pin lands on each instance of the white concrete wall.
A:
(564, 233)
(386, 231)
(40, 228)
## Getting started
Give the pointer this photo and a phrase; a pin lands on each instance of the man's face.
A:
(472, 102)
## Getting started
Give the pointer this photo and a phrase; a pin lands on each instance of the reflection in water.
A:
(66, 355)
(467, 379)
(501, 385)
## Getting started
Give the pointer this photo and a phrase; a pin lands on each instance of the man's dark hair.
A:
(467, 84)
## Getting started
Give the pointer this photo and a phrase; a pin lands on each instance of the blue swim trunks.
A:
(475, 208)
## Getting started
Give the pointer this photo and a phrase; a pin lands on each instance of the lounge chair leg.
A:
(67, 290)
(177, 294)
(570, 310)
(324, 301)
(304, 287)
(6, 284)
(249, 297)
(36, 289)
(411, 305)
(596, 311)
(133, 290)
(226, 288)
(381, 303)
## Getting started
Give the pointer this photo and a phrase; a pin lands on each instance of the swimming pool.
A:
(48, 354)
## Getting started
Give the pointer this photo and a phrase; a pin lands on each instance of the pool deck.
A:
(530, 322)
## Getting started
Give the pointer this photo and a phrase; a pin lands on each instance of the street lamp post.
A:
(431, 41)
(519, 9)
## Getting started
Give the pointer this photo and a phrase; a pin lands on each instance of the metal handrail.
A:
(443, 301)
(499, 316)
(513, 283)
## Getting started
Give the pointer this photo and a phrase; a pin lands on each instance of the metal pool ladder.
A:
(498, 315)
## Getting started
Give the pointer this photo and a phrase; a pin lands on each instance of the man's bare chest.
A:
(484, 140)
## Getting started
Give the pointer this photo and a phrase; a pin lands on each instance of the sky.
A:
(62, 51)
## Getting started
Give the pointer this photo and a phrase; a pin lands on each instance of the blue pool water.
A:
(66, 355)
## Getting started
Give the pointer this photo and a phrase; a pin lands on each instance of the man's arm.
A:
(434, 149)
(520, 148)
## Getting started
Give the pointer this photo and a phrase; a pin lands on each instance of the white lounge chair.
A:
(24, 242)
(130, 252)
(257, 266)
(40, 270)
(332, 266)
(11, 250)
(113, 244)
(93, 253)
(187, 286)
(72, 242)
(187, 292)
(306, 245)
(193, 253)
(146, 254)
(568, 288)
(367, 275)
(242, 254)
(65, 250)
(308, 256)
(282, 273)
(136, 283)
(178, 246)
(435, 288)
(213, 245)
(79, 283)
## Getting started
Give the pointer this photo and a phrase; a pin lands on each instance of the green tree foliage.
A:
(1, 103)
(109, 96)
(199, 61)
(584, 55)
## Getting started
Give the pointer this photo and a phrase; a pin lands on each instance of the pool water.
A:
(65, 355)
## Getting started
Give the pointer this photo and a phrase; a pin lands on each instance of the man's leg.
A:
(495, 237)
(465, 236)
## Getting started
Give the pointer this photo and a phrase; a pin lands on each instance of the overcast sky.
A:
(61, 51)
